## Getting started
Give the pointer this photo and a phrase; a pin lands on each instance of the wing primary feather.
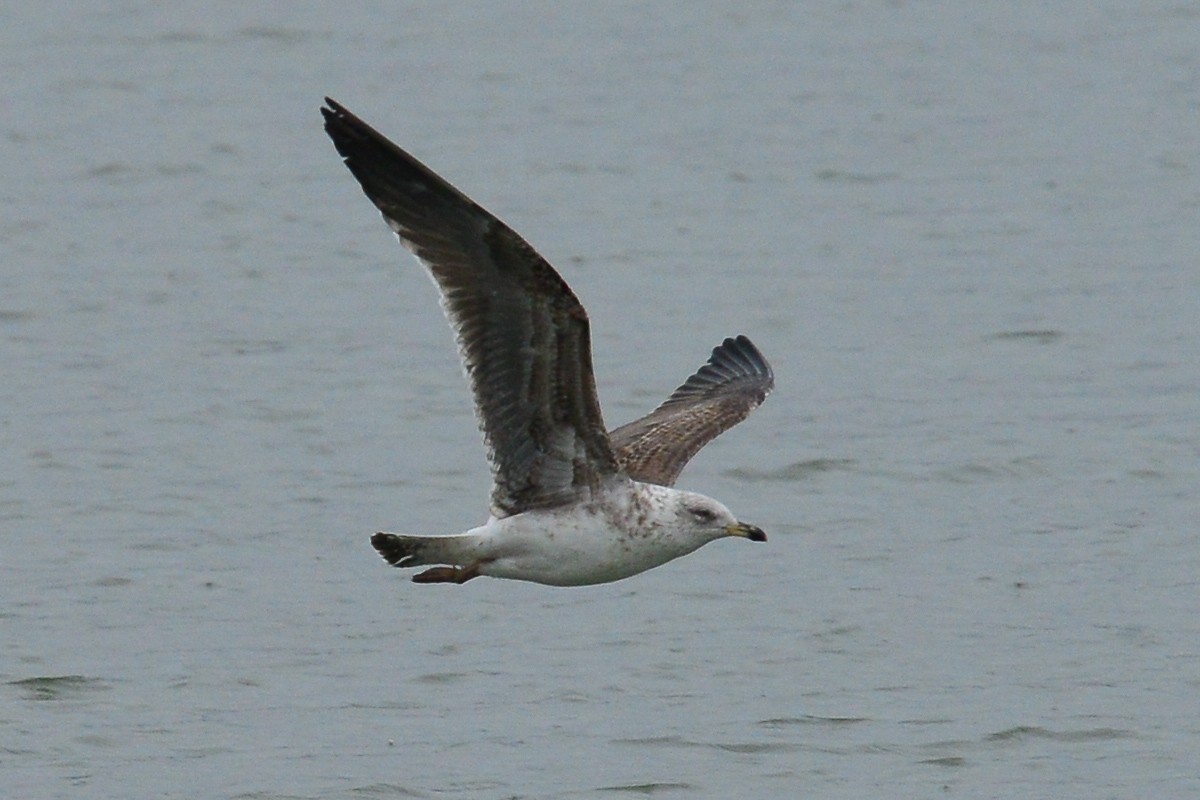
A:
(735, 380)
(523, 335)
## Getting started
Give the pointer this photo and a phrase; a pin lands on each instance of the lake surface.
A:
(965, 236)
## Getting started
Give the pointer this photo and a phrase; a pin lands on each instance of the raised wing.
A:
(521, 331)
(735, 381)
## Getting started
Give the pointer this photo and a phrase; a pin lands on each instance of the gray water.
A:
(964, 234)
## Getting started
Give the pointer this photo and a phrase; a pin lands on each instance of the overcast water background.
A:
(965, 235)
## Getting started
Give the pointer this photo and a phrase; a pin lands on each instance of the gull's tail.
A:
(460, 554)
(411, 550)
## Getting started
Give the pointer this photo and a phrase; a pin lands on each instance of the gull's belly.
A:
(564, 550)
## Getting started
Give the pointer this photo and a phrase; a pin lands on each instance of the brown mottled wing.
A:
(522, 333)
(655, 448)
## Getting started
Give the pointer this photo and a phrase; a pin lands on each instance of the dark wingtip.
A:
(330, 110)
(734, 362)
(741, 354)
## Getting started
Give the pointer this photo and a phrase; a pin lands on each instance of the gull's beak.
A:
(751, 532)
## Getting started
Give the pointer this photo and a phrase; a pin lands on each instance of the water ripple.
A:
(57, 687)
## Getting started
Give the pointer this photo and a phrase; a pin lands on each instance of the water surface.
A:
(965, 238)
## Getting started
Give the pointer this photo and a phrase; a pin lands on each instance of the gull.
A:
(572, 504)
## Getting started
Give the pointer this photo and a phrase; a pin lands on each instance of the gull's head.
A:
(704, 513)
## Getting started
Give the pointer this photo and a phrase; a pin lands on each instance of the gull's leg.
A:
(449, 574)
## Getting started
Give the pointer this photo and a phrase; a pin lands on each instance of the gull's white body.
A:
(635, 527)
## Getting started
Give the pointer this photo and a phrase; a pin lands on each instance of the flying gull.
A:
(572, 504)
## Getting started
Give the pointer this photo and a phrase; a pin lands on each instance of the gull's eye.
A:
(703, 514)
